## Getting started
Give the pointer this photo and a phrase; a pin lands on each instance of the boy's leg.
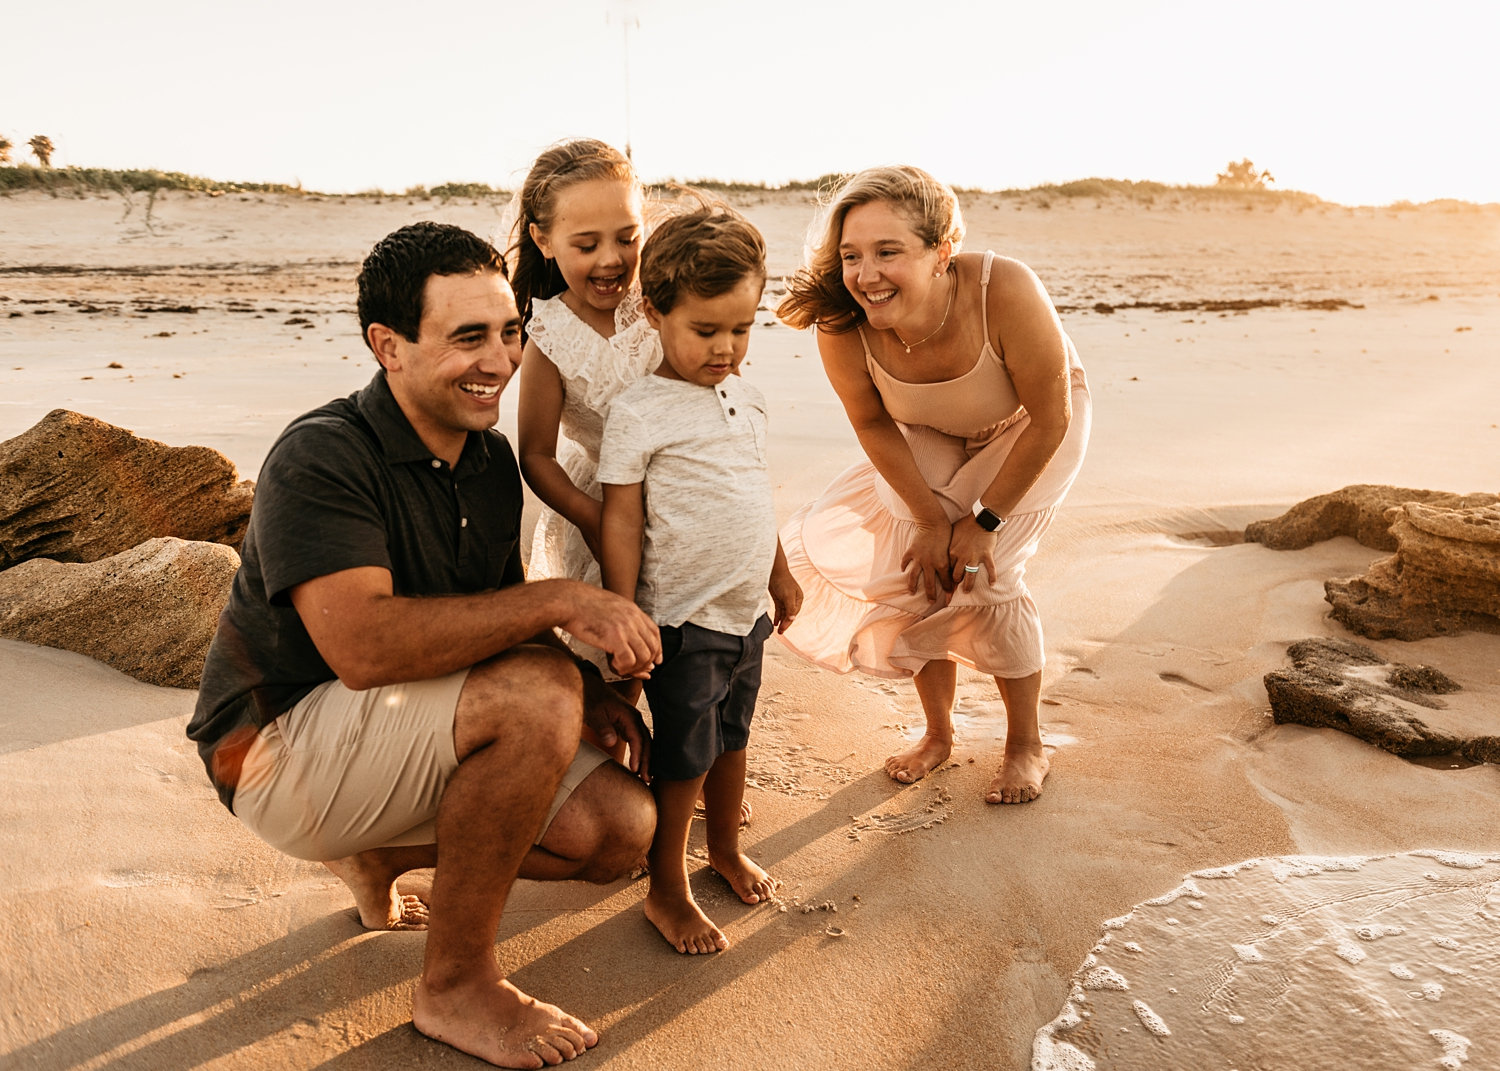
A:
(669, 904)
(723, 792)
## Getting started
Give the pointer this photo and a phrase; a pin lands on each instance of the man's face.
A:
(448, 381)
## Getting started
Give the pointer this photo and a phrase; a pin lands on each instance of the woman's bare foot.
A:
(909, 766)
(493, 1020)
(744, 875)
(381, 906)
(1021, 773)
(683, 923)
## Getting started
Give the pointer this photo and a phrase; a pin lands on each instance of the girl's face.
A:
(595, 237)
(888, 268)
(704, 339)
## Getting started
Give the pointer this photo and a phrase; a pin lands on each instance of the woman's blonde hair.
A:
(817, 294)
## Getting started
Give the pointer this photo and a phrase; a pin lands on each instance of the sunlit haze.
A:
(1358, 103)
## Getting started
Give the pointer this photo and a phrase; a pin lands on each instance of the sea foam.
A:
(1306, 962)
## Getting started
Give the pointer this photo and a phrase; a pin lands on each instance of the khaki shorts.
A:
(343, 772)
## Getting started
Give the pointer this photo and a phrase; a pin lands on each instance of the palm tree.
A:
(41, 148)
(5, 147)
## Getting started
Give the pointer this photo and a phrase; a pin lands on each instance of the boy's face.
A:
(703, 340)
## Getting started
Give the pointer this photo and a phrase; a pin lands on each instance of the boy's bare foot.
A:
(909, 766)
(683, 923)
(747, 878)
(1021, 773)
(381, 907)
(700, 810)
(493, 1020)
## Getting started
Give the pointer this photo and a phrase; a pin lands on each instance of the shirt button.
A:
(463, 522)
(723, 394)
(731, 410)
(436, 463)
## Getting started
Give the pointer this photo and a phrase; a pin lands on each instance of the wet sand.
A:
(1240, 360)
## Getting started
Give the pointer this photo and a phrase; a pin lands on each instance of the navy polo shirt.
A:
(347, 485)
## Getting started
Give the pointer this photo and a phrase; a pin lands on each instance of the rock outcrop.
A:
(1358, 511)
(76, 489)
(1444, 577)
(149, 612)
(1337, 684)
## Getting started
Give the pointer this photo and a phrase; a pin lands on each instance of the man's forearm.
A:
(376, 638)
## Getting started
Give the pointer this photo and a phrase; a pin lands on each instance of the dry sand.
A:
(144, 928)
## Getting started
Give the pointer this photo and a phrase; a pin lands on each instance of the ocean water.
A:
(1295, 964)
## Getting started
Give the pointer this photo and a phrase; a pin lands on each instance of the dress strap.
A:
(984, 292)
(869, 357)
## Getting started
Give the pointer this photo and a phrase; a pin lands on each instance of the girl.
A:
(574, 251)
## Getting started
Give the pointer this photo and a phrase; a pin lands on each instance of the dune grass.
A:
(83, 181)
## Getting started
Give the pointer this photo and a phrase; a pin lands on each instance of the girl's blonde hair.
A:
(817, 294)
(563, 165)
(703, 248)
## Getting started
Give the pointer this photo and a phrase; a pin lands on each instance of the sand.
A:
(144, 928)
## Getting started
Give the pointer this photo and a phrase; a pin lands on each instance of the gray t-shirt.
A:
(710, 523)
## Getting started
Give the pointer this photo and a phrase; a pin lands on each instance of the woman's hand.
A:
(927, 563)
(971, 545)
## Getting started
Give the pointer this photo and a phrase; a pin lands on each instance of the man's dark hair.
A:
(396, 272)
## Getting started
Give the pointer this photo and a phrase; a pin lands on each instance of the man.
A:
(384, 693)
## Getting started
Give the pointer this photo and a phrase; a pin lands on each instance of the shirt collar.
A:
(400, 441)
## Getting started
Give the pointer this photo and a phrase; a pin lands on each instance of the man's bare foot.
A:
(683, 923)
(748, 879)
(1021, 773)
(493, 1020)
(381, 906)
(909, 766)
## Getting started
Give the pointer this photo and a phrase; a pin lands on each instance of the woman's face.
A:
(888, 268)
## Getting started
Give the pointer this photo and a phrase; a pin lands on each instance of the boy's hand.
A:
(786, 598)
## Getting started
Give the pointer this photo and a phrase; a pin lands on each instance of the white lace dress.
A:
(593, 370)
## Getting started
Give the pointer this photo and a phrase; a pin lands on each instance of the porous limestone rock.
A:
(1444, 577)
(76, 489)
(149, 612)
(1338, 684)
(1358, 510)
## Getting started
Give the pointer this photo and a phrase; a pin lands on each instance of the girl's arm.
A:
(1026, 330)
(926, 560)
(540, 412)
(786, 593)
(622, 529)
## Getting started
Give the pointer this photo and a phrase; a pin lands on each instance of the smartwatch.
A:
(987, 519)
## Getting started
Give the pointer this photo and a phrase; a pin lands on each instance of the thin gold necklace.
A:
(951, 291)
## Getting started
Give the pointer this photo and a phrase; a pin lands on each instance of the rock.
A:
(75, 489)
(1337, 684)
(149, 612)
(1358, 511)
(1444, 577)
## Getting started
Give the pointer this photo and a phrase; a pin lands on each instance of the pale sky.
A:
(1358, 102)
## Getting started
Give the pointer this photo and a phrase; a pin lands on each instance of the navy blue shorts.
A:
(702, 697)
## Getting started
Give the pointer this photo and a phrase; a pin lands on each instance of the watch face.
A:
(988, 520)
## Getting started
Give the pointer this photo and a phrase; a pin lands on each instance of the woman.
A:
(915, 561)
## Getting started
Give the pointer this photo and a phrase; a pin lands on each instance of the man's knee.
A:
(622, 816)
(530, 697)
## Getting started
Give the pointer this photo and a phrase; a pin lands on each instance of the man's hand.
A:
(613, 720)
(617, 627)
